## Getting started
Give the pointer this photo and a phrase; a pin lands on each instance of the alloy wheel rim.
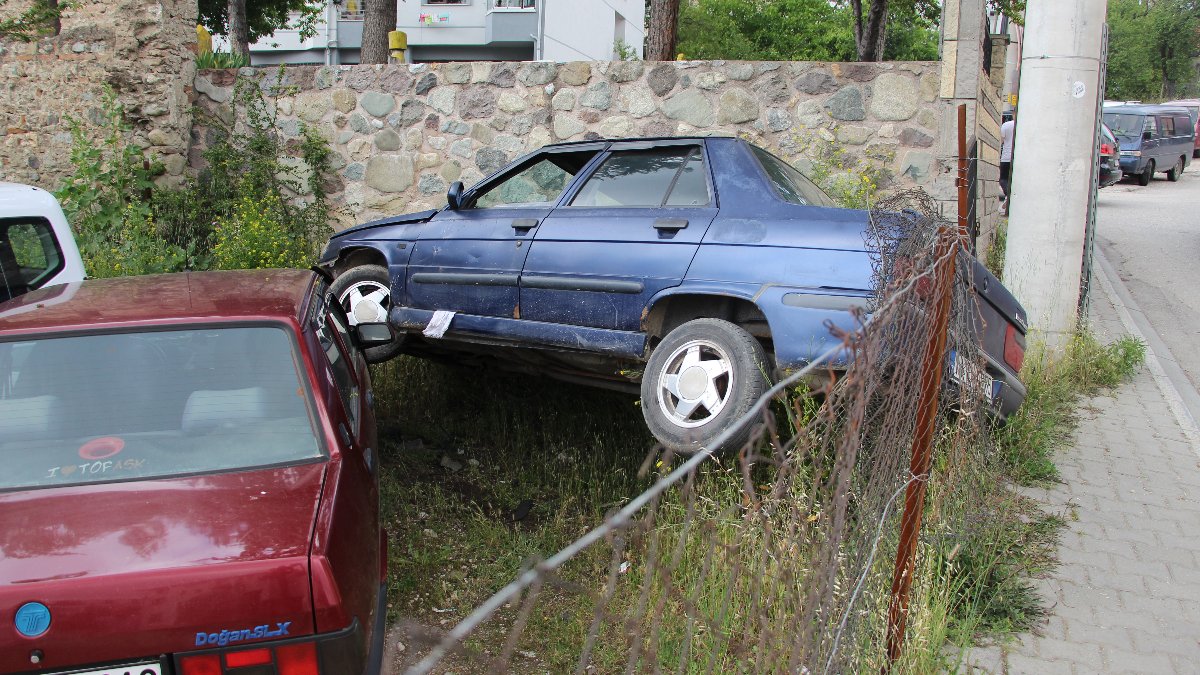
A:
(366, 302)
(696, 383)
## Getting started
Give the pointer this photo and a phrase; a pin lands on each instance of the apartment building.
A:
(473, 30)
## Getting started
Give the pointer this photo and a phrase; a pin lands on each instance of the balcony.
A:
(511, 21)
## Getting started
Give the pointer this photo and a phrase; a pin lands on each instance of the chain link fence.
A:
(776, 558)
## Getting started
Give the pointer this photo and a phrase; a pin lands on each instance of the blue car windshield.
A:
(104, 407)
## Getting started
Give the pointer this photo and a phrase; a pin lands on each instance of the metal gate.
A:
(1089, 236)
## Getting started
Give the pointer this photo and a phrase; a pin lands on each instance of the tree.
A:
(803, 30)
(36, 21)
(870, 30)
(239, 32)
(261, 18)
(1151, 48)
(664, 29)
(379, 19)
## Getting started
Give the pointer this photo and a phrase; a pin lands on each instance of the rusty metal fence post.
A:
(933, 365)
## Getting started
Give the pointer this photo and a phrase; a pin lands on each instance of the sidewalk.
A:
(1126, 597)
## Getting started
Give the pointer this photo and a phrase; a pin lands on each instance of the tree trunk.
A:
(239, 32)
(870, 33)
(379, 19)
(664, 27)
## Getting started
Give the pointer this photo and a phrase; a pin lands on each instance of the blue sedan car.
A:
(687, 268)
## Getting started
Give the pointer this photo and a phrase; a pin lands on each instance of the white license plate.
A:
(971, 377)
(151, 668)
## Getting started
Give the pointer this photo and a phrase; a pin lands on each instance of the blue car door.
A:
(626, 232)
(469, 259)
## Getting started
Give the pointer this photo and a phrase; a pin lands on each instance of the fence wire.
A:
(776, 558)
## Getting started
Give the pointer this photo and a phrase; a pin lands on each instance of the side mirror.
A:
(1147, 135)
(373, 335)
(454, 195)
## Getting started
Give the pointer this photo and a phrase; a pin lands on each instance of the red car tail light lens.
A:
(297, 659)
(249, 657)
(205, 664)
(1014, 351)
(1106, 149)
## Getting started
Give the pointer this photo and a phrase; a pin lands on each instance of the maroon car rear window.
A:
(122, 406)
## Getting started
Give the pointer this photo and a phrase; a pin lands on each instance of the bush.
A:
(259, 203)
(256, 236)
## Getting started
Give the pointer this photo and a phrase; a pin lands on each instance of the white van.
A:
(37, 248)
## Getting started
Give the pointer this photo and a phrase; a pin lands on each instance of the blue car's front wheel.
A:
(365, 294)
(700, 380)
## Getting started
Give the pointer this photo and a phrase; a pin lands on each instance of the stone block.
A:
(442, 100)
(390, 173)
(637, 100)
(662, 79)
(690, 106)
(816, 82)
(598, 96)
(575, 73)
(377, 103)
(565, 127)
(625, 71)
(894, 98)
(428, 81)
(476, 102)
(537, 74)
(710, 80)
(847, 105)
(387, 140)
(737, 106)
(564, 100)
(512, 103)
(457, 73)
(344, 99)
(489, 160)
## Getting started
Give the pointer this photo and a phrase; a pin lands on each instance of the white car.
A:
(37, 248)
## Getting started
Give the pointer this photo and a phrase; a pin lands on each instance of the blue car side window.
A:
(647, 178)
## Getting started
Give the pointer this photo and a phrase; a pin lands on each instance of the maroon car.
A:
(189, 481)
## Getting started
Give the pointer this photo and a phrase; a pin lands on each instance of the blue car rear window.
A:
(136, 405)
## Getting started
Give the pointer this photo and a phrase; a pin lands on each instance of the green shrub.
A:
(108, 201)
(208, 60)
(255, 236)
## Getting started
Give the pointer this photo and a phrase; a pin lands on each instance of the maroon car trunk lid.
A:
(143, 568)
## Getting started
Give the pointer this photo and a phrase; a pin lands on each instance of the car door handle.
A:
(670, 224)
(524, 225)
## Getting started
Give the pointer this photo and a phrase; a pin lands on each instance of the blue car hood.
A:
(418, 217)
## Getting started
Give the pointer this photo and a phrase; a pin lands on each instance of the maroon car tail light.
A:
(1014, 351)
(1106, 149)
(204, 664)
(249, 657)
(297, 659)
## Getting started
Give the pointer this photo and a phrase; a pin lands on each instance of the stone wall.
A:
(141, 49)
(402, 133)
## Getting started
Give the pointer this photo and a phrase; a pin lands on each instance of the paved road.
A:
(1126, 597)
(1151, 235)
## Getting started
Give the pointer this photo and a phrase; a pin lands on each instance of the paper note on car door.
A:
(439, 324)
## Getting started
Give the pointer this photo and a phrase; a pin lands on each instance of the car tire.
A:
(687, 404)
(1147, 174)
(365, 294)
(1176, 171)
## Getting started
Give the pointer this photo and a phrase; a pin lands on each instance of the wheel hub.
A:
(692, 383)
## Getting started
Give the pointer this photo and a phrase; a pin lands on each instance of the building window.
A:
(447, 2)
(514, 4)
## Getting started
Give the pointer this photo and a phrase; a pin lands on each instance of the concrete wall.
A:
(401, 134)
(142, 49)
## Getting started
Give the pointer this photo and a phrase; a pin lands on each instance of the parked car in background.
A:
(190, 481)
(1192, 105)
(1153, 138)
(37, 248)
(684, 268)
(1109, 158)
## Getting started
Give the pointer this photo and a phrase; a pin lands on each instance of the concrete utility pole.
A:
(1052, 161)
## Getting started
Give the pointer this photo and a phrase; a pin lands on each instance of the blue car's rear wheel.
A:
(365, 294)
(700, 380)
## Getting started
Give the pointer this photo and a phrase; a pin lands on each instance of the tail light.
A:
(1106, 149)
(297, 658)
(328, 654)
(1014, 348)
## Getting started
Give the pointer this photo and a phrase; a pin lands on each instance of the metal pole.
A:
(931, 383)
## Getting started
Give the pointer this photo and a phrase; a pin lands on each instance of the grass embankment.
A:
(484, 471)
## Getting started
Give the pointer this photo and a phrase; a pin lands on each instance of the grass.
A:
(484, 472)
